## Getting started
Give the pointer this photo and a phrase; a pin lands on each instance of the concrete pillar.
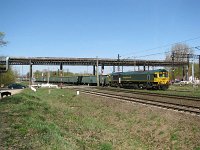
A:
(61, 66)
(93, 69)
(102, 70)
(144, 68)
(188, 67)
(187, 76)
(31, 73)
(173, 77)
(97, 72)
(113, 68)
(183, 73)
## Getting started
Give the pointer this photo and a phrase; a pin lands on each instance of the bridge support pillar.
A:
(144, 68)
(188, 67)
(93, 69)
(61, 66)
(183, 73)
(102, 69)
(97, 72)
(30, 74)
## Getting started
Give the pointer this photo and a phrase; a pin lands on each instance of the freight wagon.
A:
(77, 80)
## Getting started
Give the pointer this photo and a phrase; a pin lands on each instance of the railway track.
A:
(181, 107)
(153, 94)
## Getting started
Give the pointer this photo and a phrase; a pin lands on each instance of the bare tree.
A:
(2, 42)
(180, 52)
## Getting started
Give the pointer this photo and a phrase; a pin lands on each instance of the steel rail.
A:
(155, 94)
(161, 104)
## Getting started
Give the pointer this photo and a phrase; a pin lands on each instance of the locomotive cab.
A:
(161, 78)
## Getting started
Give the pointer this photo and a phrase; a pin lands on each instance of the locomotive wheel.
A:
(163, 87)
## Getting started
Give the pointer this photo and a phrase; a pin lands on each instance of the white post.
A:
(77, 93)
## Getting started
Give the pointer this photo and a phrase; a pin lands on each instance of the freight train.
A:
(153, 79)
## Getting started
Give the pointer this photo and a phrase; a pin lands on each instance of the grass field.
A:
(58, 119)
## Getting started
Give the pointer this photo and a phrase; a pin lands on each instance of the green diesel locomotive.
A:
(153, 79)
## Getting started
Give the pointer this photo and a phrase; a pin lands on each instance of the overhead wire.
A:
(191, 39)
(191, 48)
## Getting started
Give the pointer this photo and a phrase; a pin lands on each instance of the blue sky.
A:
(103, 28)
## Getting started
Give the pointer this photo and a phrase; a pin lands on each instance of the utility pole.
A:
(118, 63)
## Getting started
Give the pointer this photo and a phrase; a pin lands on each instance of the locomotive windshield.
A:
(163, 74)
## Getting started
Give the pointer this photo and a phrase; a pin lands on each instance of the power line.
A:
(191, 39)
(152, 54)
(196, 47)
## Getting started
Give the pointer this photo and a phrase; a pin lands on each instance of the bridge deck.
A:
(88, 61)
